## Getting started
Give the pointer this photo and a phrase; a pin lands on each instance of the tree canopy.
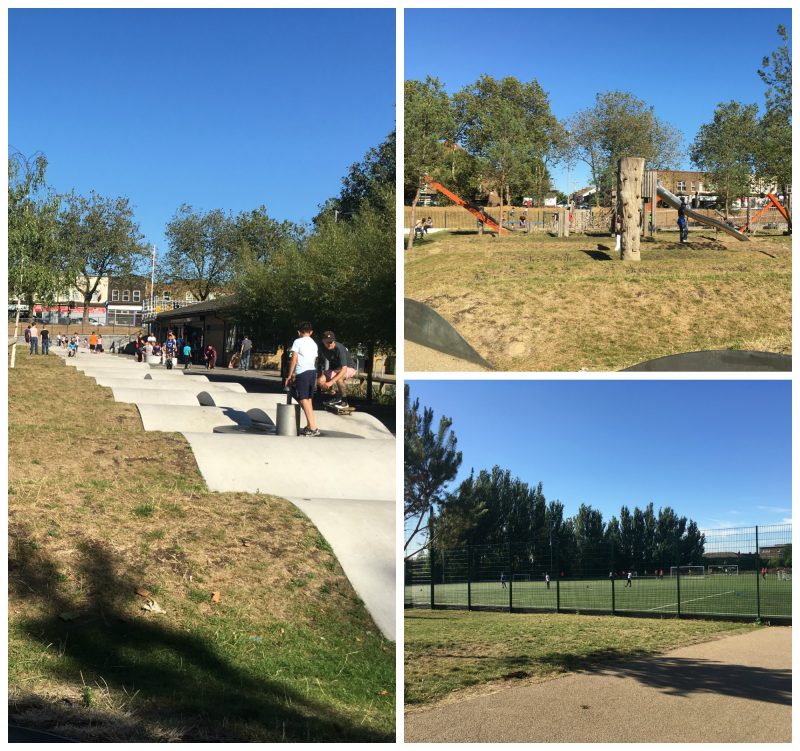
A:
(725, 149)
(621, 125)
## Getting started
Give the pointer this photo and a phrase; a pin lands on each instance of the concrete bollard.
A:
(288, 422)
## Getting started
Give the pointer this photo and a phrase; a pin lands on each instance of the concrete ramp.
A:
(166, 375)
(345, 487)
(164, 397)
(184, 384)
(362, 533)
(324, 467)
(268, 402)
(195, 419)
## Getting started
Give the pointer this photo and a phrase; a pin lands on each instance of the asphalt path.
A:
(733, 690)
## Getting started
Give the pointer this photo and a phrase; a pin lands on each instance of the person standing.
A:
(503, 579)
(187, 355)
(93, 342)
(340, 367)
(28, 335)
(629, 582)
(210, 355)
(244, 353)
(34, 340)
(683, 226)
(45, 342)
(303, 372)
(547, 580)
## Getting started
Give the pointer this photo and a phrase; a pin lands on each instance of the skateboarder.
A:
(339, 367)
(303, 371)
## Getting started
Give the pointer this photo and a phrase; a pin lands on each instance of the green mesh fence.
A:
(737, 573)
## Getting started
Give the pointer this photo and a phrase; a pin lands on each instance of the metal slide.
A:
(675, 202)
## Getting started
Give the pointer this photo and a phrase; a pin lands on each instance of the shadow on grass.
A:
(680, 676)
(600, 254)
(182, 683)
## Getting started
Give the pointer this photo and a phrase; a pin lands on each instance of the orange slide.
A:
(476, 212)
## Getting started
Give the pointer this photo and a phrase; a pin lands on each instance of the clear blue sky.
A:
(718, 452)
(683, 62)
(216, 108)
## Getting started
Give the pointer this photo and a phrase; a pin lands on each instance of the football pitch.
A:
(719, 595)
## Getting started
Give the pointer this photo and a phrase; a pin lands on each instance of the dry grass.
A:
(99, 509)
(540, 303)
(450, 654)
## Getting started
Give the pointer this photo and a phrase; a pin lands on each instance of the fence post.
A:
(510, 581)
(613, 593)
(758, 576)
(678, 575)
(469, 577)
(558, 580)
(433, 601)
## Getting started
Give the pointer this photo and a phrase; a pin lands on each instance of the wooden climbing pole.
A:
(630, 170)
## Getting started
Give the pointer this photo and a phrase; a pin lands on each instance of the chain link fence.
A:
(740, 573)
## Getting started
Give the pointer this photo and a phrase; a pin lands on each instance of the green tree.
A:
(430, 461)
(37, 268)
(591, 553)
(508, 124)
(259, 237)
(621, 125)
(428, 119)
(774, 144)
(367, 182)
(101, 237)
(201, 250)
(725, 149)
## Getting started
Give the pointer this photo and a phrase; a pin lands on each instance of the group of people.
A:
(303, 378)
(32, 336)
(421, 227)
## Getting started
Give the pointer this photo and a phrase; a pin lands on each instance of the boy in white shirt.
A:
(303, 370)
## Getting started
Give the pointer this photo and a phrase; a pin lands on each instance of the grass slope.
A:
(448, 651)
(99, 509)
(533, 302)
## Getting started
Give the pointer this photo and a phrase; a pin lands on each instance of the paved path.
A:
(733, 690)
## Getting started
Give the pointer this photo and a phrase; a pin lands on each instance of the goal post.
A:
(687, 571)
(725, 569)
(522, 577)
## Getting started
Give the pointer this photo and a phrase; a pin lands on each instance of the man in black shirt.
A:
(338, 368)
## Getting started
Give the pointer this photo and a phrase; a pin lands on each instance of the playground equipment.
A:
(672, 200)
(777, 204)
(479, 214)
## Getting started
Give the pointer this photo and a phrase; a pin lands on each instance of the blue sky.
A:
(718, 452)
(221, 109)
(683, 62)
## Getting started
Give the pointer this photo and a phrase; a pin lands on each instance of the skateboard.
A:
(340, 410)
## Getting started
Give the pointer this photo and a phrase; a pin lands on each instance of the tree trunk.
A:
(630, 171)
(410, 243)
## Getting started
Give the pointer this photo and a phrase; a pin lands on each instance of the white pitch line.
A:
(694, 599)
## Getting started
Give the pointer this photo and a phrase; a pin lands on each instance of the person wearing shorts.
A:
(303, 372)
(339, 367)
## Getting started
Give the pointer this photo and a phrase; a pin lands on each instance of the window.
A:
(137, 295)
(189, 297)
(114, 295)
(693, 187)
(680, 186)
(126, 295)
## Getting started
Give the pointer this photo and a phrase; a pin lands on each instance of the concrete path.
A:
(343, 481)
(737, 689)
